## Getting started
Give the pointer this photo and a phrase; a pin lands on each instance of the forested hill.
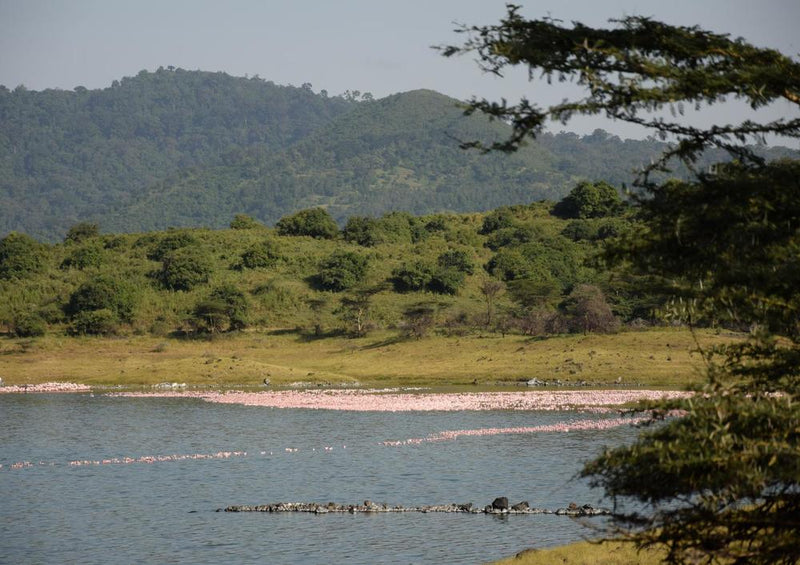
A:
(192, 148)
(72, 155)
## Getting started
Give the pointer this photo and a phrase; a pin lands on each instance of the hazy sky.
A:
(369, 45)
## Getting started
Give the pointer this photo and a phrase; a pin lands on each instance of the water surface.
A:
(165, 512)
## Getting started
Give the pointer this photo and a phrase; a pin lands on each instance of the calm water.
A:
(165, 512)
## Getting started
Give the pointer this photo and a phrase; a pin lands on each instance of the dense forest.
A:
(177, 148)
(523, 268)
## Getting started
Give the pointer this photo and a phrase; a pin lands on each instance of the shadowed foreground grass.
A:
(587, 553)
(657, 357)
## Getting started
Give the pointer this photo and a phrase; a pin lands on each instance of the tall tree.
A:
(721, 483)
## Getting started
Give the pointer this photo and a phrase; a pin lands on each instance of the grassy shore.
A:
(656, 357)
(586, 553)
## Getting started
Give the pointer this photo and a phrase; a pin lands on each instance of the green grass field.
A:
(656, 357)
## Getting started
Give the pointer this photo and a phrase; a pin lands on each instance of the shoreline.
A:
(662, 358)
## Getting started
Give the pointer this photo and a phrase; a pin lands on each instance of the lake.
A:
(130, 511)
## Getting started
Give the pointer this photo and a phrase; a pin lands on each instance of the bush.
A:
(81, 232)
(226, 308)
(342, 270)
(28, 325)
(362, 231)
(589, 200)
(103, 293)
(586, 310)
(236, 306)
(413, 276)
(259, 256)
(496, 220)
(84, 257)
(169, 243)
(184, 269)
(20, 256)
(244, 222)
(457, 259)
(446, 281)
(313, 222)
(419, 319)
(94, 322)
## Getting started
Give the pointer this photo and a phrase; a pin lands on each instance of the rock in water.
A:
(500, 503)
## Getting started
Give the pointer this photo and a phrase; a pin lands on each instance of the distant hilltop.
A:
(177, 148)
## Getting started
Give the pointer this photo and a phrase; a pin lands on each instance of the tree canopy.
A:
(720, 481)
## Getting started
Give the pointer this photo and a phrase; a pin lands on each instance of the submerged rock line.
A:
(500, 506)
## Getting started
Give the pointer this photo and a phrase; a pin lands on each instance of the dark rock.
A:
(520, 507)
(500, 503)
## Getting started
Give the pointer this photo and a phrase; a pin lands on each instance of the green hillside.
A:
(85, 154)
(516, 269)
(176, 148)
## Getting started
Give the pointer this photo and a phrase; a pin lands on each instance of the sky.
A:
(368, 45)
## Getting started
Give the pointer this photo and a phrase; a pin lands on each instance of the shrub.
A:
(259, 256)
(496, 220)
(244, 222)
(184, 269)
(419, 319)
(235, 303)
(94, 322)
(84, 257)
(586, 310)
(457, 259)
(413, 276)
(362, 231)
(589, 200)
(342, 270)
(28, 325)
(20, 256)
(313, 222)
(169, 243)
(81, 232)
(446, 281)
(103, 293)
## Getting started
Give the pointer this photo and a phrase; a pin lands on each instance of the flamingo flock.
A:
(380, 401)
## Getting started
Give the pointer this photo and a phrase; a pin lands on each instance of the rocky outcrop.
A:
(499, 506)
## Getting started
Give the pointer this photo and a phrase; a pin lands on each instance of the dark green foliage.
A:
(456, 259)
(414, 276)
(170, 242)
(719, 483)
(225, 309)
(192, 148)
(313, 222)
(342, 270)
(28, 324)
(362, 231)
(20, 256)
(184, 269)
(260, 256)
(513, 235)
(84, 257)
(94, 322)
(497, 220)
(103, 293)
(244, 222)
(730, 242)
(589, 200)
(107, 153)
(446, 280)
(81, 232)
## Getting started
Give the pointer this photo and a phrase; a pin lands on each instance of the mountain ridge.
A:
(193, 148)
